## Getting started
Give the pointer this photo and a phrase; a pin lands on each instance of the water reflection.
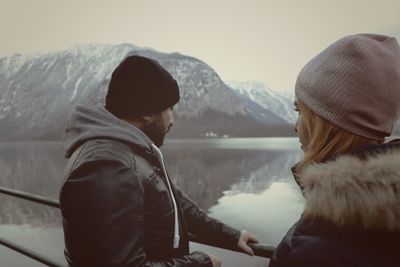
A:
(246, 182)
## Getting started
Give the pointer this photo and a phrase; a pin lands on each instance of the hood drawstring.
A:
(176, 231)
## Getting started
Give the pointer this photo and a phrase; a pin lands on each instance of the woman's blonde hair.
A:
(325, 139)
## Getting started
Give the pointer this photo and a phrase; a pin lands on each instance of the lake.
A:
(245, 182)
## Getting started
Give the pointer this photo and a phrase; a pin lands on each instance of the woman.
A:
(348, 99)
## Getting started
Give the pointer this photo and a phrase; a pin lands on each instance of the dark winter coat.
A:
(116, 202)
(352, 213)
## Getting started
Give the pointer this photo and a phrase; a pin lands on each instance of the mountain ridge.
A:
(40, 90)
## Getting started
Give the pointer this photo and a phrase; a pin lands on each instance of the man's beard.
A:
(155, 133)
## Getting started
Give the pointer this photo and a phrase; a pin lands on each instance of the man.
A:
(118, 204)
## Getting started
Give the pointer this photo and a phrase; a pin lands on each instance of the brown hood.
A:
(355, 191)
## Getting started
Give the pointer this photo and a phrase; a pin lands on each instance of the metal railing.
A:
(31, 197)
(260, 250)
(30, 253)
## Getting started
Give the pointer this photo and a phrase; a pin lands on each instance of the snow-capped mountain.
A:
(39, 91)
(279, 103)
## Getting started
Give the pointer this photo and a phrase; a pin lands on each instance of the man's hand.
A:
(216, 262)
(244, 239)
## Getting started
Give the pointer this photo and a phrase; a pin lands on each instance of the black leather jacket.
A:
(117, 210)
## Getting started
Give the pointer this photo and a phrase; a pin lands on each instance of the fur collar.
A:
(353, 190)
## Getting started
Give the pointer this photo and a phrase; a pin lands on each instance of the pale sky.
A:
(266, 40)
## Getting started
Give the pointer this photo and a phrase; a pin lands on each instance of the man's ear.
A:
(141, 121)
(146, 119)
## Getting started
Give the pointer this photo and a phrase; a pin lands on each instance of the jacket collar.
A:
(359, 188)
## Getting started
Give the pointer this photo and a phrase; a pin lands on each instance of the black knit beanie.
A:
(140, 86)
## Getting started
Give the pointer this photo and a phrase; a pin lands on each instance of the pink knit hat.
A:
(355, 84)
